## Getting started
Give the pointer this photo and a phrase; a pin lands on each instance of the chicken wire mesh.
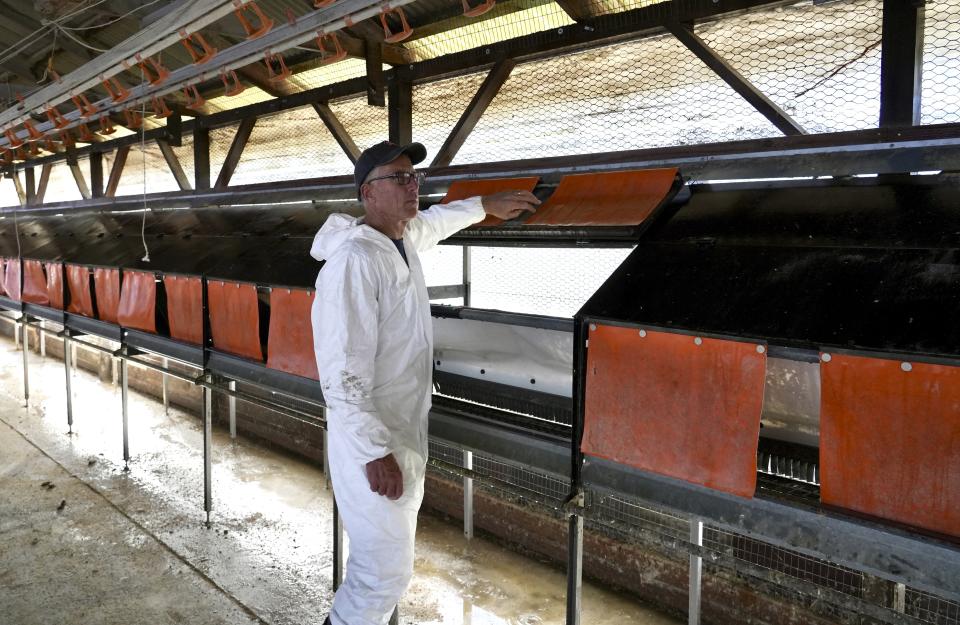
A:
(819, 62)
(62, 186)
(144, 171)
(931, 608)
(940, 97)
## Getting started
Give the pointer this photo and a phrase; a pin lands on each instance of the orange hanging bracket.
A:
(327, 55)
(106, 127)
(66, 137)
(282, 72)
(253, 32)
(200, 51)
(85, 135)
(132, 119)
(33, 149)
(50, 145)
(154, 71)
(19, 154)
(15, 141)
(160, 108)
(232, 86)
(194, 99)
(32, 130)
(56, 118)
(388, 35)
(478, 10)
(84, 106)
(118, 93)
(319, 4)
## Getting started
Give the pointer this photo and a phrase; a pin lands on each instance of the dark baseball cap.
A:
(381, 154)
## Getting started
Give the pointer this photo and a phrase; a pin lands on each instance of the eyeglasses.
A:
(403, 178)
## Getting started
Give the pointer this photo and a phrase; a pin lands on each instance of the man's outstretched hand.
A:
(510, 204)
(385, 477)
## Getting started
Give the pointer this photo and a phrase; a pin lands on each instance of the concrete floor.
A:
(83, 541)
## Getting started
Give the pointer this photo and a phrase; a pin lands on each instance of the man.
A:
(373, 339)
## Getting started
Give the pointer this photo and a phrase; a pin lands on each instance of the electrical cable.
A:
(143, 162)
(58, 28)
(113, 21)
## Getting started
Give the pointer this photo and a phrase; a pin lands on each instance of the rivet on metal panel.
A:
(698, 341)
(761, 349)
(825, 357)
(906, 366)
(593, 327)
(533, 380)
(643, 333)
(288, 291)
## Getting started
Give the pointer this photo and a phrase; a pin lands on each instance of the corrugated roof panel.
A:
(330, 74)
(250, 95)
(486, 32)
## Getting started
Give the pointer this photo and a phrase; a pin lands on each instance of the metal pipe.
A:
(574, 569)
(467, 276)
(123, 401)
(232, 403)
(696, 570)
(190, 16)
(43, 339)
(207, 460)
(326, 461)
(333, 18)
(66, 370)
(26, 372)
(468, 496)
(163, 386)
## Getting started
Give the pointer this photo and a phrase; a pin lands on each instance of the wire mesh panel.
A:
(220, 140)
(540, 281)
(438, 105)
(367, 125)
(443, 265)
(291, 145)
(931, 608)
(793, 563)
(62, 186)
(145, 171)
(648, 93)
(940, 99)
(8, 191)
(819, 62)
(184, 154)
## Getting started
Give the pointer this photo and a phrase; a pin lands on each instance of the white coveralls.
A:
(373, 339)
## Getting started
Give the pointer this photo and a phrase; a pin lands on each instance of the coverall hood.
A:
(337, 230)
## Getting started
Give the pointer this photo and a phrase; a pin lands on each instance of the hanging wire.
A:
(113, 21)
(49, 66)
(143, 163)
(58, 28)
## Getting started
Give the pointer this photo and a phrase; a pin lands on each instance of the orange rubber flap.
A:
(138, 301)
(78, 280)
(234, 318)
(106, 283)
(616, 198)
(676, 405)
(185, 308)
(890, 440)
(34, 283)
(462, 189)
(290, 343)
(11, 279)
(55, 285)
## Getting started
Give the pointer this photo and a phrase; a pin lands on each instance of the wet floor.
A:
(104, 546)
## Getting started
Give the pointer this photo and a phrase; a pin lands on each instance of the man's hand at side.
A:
(385, 477)
(510, 204)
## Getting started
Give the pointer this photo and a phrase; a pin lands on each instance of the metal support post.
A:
(163, 384)
(67, 348)
(232, 403)
(43, 339)
(696, 570)
(73, 357)
(123, 401)
(207, 439)
(16, 336)
(326, 463)
(26, 349)
(468, 496)
(466, 275)
(574, 569)
(337, 547)
(113, 369)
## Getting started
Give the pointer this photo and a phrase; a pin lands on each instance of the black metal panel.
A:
(249, 371)
(513, 444)
(543, 322)
(865, 266)
(164, 346)
(44, 312)
(921, 562)
(9, 304)
(86, 325)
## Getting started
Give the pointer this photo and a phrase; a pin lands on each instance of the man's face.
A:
(385, 198)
